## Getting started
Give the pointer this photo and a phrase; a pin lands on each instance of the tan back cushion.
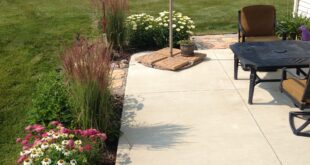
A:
(258, 20)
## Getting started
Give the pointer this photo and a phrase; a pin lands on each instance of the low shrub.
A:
(145, 31)
(50, 101)
(288, 27)
(59, 145)
(183, 27)
(141, 31)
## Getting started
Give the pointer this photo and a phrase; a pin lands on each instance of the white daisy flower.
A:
(177, 29)
(61, 162)
(73, 162)
(64, 142)
(174, 25)
(181, 27)
(46, 161)
(44, 145)
(50, 133)
(27, 162)
(67, 152)
(78, 142)
(34, 154)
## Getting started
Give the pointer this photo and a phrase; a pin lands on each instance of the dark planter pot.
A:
(187, 50)
(293, 36)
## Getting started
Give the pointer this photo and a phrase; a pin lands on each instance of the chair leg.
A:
(298, 131)
(236, 64)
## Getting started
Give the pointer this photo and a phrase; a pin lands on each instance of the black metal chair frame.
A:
(301, 115)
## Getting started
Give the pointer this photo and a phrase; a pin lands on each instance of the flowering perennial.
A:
(59, 145)
(145, 29)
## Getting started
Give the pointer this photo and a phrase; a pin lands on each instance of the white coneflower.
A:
(61, 162)
(44, 145)
(50, 133)
(67, 152)
(56, 135)
(71, 136)
(73, 162)
(78, 142)
(46, 161)
(23, 153)
(34, 154)
(64, 135)
(64, 142)
(27, 162)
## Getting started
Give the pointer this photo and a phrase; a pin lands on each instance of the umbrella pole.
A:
(170, 27)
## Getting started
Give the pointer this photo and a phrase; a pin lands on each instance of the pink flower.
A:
(55, 123)
(44, 135)
(21, 159)
(70, 143)
(28, 128)
(77, 131)
(81, 149)
(87, 147)
(38, 128)
(28, 136)
(18, 140)
(65, 130)
(26, 147)
(102, 136)
(24, 142)
(37, 142)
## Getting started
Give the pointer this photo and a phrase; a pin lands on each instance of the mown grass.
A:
(210, 16)
(32, 35)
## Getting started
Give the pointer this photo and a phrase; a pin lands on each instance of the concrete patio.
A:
(201, 116)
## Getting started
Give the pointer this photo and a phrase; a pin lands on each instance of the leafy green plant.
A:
(141, 31)
(145, 30)
(186, 42)
(50, 101)
(87, 66)
(288, 27)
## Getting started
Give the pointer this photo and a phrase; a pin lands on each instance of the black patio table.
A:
(264, 56)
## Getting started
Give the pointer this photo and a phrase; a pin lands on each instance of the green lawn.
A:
(32, 35)
(34, 32)
(210, 16)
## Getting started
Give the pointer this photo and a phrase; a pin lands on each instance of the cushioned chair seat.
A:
(295, 88)
(262, 38)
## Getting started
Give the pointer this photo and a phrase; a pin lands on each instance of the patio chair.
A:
(300, 131)
(297, 88)
(257, 23)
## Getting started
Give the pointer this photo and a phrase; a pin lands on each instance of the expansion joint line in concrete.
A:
(249, 111)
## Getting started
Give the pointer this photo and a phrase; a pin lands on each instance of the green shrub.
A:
(289, 26)
(50, 101)
(87, 66)
(146, 31)
(141, 31)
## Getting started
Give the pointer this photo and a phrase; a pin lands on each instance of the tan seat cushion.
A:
(295, 88)
(262, 38)
(258, 20)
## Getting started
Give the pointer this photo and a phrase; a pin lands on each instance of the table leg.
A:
(253, 77)
(236, 64)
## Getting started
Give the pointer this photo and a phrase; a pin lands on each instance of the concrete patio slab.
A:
(200, 116)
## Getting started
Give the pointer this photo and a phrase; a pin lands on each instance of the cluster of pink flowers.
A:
(39, 139)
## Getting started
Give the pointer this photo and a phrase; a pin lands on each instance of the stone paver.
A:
(201, 116)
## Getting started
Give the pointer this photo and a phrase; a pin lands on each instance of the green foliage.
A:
(145, 31)
(50, 101)
(289, 26)
(140, 31)
(186, 42)
(87, 66)
(115, 29)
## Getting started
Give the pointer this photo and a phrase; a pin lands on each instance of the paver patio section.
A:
(201, 116)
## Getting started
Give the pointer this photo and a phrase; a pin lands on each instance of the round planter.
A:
(187, 50)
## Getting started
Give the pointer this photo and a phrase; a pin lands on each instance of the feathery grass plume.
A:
(113, 21)
(87, 66)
